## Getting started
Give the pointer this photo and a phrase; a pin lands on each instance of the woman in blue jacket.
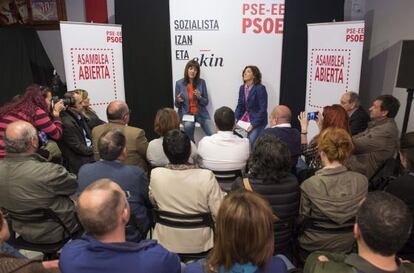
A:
(252, 102)
(191, 99)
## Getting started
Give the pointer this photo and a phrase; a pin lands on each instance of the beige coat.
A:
(137, 143)
(374, 146)
(185, 191)
(331, 194)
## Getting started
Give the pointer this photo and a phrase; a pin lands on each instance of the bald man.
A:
(103, 211)
(279, 125)
(118, 118)
(28, 181)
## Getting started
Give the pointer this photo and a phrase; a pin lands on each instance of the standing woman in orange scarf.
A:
(191, 99)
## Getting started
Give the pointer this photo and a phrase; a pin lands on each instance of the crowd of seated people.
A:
(113, 190)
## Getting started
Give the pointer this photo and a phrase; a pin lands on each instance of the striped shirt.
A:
(41, 121)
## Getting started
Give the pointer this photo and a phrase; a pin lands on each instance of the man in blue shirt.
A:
(132, 179)
(103, 211)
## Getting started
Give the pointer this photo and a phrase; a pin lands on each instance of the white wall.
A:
(51, 40)
(387, 24)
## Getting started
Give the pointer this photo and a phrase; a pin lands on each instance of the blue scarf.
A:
(239, 268)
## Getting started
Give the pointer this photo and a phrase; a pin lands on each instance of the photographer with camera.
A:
(34, 106)
(76, 142)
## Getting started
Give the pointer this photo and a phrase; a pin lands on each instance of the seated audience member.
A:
(382, 227)
(76, 141)
(183, 188)
(118, 115)
(104, 212)
(90, 115)
(244, 238)
(33, 106)
(28, 182)
(330, 198)
(132, 179)
(332, 117)
(223, 151)
(358, 117)
(165, 120)
(280, 126)
(270, 176)
(11, 263)
(379, 141)
(403, 187)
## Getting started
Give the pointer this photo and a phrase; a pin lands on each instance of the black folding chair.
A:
(39, 215)
(184, 221)
(226, 178)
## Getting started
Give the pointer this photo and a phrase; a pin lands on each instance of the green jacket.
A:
(340, 263)
(331, 195)
(28, 181)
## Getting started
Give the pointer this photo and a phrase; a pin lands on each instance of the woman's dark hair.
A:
(177, 146)
(256, 73)
(34, 97)
(407, 149)
(195, 64)
(270, 158)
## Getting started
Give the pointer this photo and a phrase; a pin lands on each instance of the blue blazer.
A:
(183, 107)
(256, 105)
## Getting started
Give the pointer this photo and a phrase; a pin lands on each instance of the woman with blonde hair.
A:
(166, 119)
(244, 239)
(92, 118)
(330, 199)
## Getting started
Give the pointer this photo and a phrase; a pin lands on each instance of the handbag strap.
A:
(246, 184)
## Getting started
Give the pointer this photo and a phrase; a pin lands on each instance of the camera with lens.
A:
(69, 101)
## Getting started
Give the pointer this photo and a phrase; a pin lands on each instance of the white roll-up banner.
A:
(224, 37)
(334, 63)
(93, 61)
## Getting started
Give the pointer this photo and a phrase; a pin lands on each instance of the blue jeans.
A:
(8, 249)
(255, 133)
(287, 262)
(206, 124)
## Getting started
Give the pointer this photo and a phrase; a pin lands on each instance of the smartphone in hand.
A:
(313, 115)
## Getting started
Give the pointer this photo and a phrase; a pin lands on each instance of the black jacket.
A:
(292, 138)
(403, 188)
(75, 152)
(284, 198)
(358, 121)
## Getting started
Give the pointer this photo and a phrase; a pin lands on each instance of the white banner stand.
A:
(93, 61)
(334, 64)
